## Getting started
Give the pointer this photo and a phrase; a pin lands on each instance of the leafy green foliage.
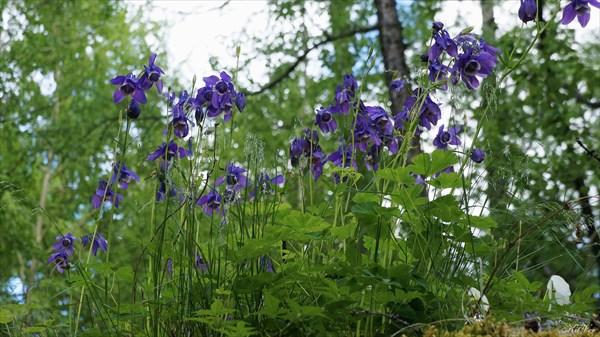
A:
(378, 253)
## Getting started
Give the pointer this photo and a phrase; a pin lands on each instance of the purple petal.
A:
(118, 80)
(225, 76)
(454, 141)
(156, 154)
(251, 195)
(584, 19)
(159, 86)
(134, 176)
(151, 60)
(139, 96)
(182, 152)
(211, 80)
(118, 96)
(96, 201)
(568, 14)
(278, 180)
(215, 101)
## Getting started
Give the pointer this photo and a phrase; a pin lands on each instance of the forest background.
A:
(56, 109)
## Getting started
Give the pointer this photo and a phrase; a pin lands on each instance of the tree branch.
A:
(580, 99)
(591, 153)
(305, 52)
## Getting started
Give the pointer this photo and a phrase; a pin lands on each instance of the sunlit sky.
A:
(197, 30)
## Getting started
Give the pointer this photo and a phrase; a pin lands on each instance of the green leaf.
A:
(400, 175)
(299, 226)
(124, 273)
(445, 208)
(271, 307)
(365, 198)
(409, 197)
(481, 222)
(374, 209)
(104, 268)
(426, 165)
(440, 160)
(256, 247)
(343, 232)
(420, 164)
(447, 180)
(5, 316)
(34, 329)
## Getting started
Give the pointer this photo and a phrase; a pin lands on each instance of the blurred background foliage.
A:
(57, 124)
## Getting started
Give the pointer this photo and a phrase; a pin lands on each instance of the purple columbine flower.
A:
(170, 267)
(212, 202)
(430, 112)
(311, 136)
(343, 157)
(204, 96)
(380, 119)
(437, 26)
(180, 125)
(400, 120)
(167, 153)
(133, 109)
(325, 120)
(477, 156)
(64, 244)
(372, 158)
(162, 193)
(397, 85)
(365, 132)
(263, 184)
(128, 86)
(438, 72)
(317, 159)
(222, 97)
(234, 177)
(230, 195)
(125, 175)
(240, 101)
(444, 138)
(98, 241)
(344, 94)
(418, 179)
(448, 169)
(470, 65)
(152, 75)
(442, 41)
(201, 264)
(61, 260)
(297, 148)
(180, 121)
(265, 264)
(579, 8)
(104, 193)
(527, 10)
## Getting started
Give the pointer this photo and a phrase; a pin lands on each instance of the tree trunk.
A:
(45, 192)
(394, 58)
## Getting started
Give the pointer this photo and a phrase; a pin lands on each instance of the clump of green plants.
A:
(359, 234)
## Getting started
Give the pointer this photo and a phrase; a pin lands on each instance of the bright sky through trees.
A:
(198, 30)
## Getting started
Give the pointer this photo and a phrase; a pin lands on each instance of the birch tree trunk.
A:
(394, 58)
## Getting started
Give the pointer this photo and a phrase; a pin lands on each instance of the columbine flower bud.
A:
(133, 110)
